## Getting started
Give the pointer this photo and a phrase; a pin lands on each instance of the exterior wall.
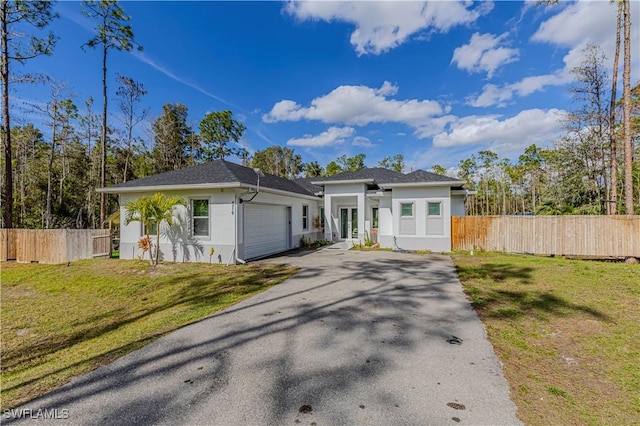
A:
(457, 205)
(177, 244)
(385, 218)
(418, 232)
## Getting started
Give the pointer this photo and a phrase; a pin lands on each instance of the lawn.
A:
(566, 331)
(60, 321)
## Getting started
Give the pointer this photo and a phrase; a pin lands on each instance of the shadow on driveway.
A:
(354, 338)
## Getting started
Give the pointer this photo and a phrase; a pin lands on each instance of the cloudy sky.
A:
(434, 81)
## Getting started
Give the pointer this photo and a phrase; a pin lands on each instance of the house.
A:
(408, 211)
(245, 214)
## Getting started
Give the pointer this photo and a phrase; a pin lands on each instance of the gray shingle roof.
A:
(381, 176)
(420, 176)
(216, 171)
(378, 174)
(306, 184)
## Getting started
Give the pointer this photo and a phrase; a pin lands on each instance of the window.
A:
(152, 230)
(406, 209)
(322, 219)
(435, 221)
(305, 217)
(433, 209)
(200, 217)
(374, 217)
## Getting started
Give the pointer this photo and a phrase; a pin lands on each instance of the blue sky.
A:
(434, 81)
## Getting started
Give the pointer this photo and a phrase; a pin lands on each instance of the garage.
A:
(266, 230)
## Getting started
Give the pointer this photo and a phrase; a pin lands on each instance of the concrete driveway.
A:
(354, 338)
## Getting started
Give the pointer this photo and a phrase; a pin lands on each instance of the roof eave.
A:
(342, 181)
(156, 188)
(288, 193)
(149, 188)
(414, 184)
(463, 192)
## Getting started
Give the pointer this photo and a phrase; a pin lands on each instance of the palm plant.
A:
(152, 212)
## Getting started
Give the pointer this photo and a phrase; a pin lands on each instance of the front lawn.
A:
(566, 331)
(60, 321)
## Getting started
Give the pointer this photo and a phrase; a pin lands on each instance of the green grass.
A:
(566, 331)
(60, 321)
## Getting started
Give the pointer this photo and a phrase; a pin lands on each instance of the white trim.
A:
(375, 194)
(191, 218)
(418, 184)
(413, 209)
(181, 187)
(122, 190)
(337, 182)
(439, 202)
(463, 192)
(305, 228)
(142, 233)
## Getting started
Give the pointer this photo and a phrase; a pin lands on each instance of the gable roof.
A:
(216, 172)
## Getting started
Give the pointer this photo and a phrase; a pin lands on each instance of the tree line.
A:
(49, 181)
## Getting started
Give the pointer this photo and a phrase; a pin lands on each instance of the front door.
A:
(348, 223)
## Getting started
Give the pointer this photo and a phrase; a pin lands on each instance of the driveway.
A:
(354, 338)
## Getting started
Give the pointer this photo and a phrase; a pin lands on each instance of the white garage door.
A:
(265, 230)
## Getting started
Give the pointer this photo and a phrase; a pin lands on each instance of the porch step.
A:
(340, 245)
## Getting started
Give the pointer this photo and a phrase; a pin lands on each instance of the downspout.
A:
(234, 253)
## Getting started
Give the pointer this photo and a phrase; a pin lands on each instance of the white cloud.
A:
(484, 53)
(332, 136)
(363, 142)
(433, 126)
(360, 106)
(506, 135)
(578, 23)
(528, 85)
(384, 25)
(572, 27)
(491, 95)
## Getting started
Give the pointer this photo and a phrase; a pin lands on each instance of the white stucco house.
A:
(245, 214)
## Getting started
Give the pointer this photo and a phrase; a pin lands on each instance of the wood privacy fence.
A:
(588, 236)
(53, 245)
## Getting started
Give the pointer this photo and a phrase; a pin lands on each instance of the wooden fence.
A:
(53, 245)
(586, 236)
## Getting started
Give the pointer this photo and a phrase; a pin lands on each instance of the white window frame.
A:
(413, 209)
(373, 218)
(440, 208)
(192, 217)
(305, 217)
(143, 234)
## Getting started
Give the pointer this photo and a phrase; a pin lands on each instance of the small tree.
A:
(217, 130)
(152, 212)
(395, 163)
